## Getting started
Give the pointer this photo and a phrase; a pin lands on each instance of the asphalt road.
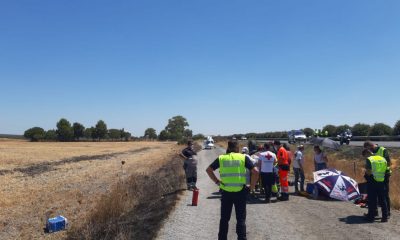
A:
(299, 218)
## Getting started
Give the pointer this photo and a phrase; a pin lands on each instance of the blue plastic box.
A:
(56, 224)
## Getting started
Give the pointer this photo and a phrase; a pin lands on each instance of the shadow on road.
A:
(354, 220)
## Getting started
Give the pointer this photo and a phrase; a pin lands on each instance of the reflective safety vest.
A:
(232, 171)
(378, 166)
(381, 153)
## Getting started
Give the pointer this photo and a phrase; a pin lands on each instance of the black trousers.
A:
(228, 200)
(376, 191)
(268, 179)
(387, 196)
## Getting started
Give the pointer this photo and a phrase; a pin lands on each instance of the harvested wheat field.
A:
(47, 179)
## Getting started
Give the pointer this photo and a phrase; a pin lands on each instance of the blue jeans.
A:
(320, 166)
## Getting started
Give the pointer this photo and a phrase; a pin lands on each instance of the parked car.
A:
(295, 136)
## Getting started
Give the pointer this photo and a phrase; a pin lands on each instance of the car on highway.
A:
(209, 143)
(296, 136)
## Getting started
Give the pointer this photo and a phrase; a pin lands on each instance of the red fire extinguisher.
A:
(195, 197)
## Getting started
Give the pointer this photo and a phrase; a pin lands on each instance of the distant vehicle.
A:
(209, 143)
(345, 137)
(243, 138)
(295, 136)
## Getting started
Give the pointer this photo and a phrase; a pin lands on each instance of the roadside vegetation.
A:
(176, 130)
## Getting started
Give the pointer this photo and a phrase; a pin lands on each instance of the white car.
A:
(209, 143)
(296, 136)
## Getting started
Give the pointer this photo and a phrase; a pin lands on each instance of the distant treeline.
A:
(359, 129)
(66, 132)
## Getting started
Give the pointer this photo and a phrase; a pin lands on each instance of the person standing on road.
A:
(375, 175)
(266, 162)
(298, 169)
(232, 168)
(382, 152)
(190, 165)
(283, 164)
(320, 159)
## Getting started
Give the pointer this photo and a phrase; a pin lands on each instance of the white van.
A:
(209, 143)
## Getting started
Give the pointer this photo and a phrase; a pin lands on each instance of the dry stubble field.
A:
(47, 179)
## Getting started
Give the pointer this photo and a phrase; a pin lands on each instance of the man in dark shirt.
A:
(383, 152)
(233, 187)
(190, 166)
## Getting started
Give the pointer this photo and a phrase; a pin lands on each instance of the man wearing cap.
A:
(283, 164)
(375, 167)
(190, 166)
(232, 168)
(382, 152)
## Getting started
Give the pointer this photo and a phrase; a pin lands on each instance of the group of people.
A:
(271, 163)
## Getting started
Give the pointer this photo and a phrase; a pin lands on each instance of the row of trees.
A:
(362, 129)
(66, 132)
(176, 130)
(359, 129)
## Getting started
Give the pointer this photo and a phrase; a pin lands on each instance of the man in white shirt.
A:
(266, 161)
(298, 169)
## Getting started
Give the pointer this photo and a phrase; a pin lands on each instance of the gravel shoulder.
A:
(300, 218)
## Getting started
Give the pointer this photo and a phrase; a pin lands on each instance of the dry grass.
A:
(350, 161)
(67, 188)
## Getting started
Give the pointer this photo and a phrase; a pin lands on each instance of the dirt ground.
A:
(47, 179)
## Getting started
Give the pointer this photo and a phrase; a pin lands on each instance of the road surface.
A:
(300, 218)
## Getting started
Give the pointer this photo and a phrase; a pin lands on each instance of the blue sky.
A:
(227, 66)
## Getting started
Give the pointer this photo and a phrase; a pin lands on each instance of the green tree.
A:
(380, 129)
(79, 130)
(88, 133)
(396, 129)
(188, 133)
(150, 133)
(342, 128)
(360, 129)
(331, 130)
(176, 127)
(308, 132)
(164, 135)
(100, 131)
(114, 134)
(127, 136)
(198, 136)
(64, 130)
(35, 134)
(51, 135)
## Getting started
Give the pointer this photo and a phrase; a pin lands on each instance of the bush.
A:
(65, 131)
(361, 129)
(35, 134)
(396, 129)
(380, 129)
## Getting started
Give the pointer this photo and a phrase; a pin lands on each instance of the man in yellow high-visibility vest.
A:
(232, 168)
(375, 175)
(382, 152)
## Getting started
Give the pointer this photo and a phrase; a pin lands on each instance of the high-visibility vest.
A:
(232, 171)
(378, 166)
(381, 153)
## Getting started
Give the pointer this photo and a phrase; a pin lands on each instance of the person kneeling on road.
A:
(232, 168)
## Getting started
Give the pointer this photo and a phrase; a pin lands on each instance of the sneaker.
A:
(384, 219)
(368, 218)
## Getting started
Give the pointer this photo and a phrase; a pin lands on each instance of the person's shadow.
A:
(354, 220)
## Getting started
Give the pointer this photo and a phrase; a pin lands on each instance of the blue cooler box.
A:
(56, 224)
